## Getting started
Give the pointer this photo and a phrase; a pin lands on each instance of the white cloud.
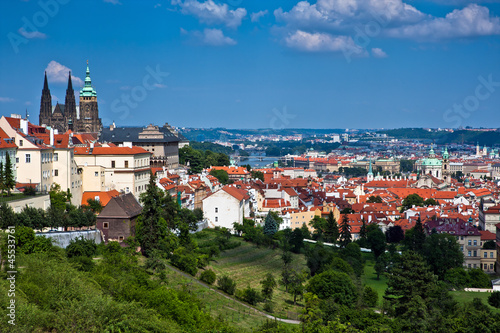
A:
(27, 103)
(6, 99)
(157, 5)
(59, 73)
(125, 87)
(159, 85)
(114, 2)
(216, 37)
(378, 53)
(255, 17)
(471, 21)
(323, 42)
(211, 13)
(32, 34)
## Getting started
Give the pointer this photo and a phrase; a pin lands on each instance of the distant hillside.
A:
(488, 138)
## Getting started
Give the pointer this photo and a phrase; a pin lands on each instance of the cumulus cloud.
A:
(211, 13)
(471, 21)
(216, 37)
(59, 73)
(6, 99)
(323, 42)
(31, 34)
(378, 53)
(255, 17)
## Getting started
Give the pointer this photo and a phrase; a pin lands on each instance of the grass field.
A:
(248, 265)
(467, 296)
(369, 278)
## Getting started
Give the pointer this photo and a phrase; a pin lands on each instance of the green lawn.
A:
(467, 296)
(369, 278)
(248, 265)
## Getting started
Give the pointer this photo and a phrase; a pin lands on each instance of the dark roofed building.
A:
(163, 142)
(117, 220)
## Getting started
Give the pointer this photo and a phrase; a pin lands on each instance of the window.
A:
(469, 253)
(126, 164)
(485, 266)
(56, 172)
(120, 238)
(20, 143)
(112, 164)
(28, 158)
(216, 209)
(468, 265)
(475, 266)
(105, 225)
(461, 237)
(491, 254)
(491, 266)
(486, 254)
(475, 253)
(216, 219)
(56, 157)
(462, 248)
(475, 242)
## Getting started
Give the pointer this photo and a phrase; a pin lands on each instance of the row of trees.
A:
(7, 180)
(199, 159)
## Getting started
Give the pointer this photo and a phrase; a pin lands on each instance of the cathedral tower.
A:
(45, 104)
(89, 120)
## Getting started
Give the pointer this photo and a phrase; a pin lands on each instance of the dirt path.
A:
(288, 321)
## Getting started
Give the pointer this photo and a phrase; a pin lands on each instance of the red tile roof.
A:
(103, 196)
(110, 151)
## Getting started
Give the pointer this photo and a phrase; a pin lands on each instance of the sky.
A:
(259, 63)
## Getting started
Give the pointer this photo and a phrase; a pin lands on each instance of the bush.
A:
(269, 306)
(494, 299)
(208, 276)
(29, 190)
(370, 297)
(81, 263)
(479, 279)
(81, 247)
(226, 284)
(251, 296)
(185, 261)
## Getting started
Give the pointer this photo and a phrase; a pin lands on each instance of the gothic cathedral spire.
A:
(45, 104)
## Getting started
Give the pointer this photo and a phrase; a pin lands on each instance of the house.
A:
(488, 256)
(117, 219)
(226, 206)
(488, 216)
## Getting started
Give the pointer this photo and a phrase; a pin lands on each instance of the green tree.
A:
(2, 179)
(335, 285)
(331, 229)
(296, 285)
(208, 276)
(268, 285)
(406, 165)
(412, 200)
(345, 232)
(296, 241)
(59, 198)
(151, 227)
(319, 225)
(430, 202)
(370, 297)
(270, 225)
(494, 299)
(8, 177)
(221, 175)
(258, 175)
(394, 234)
(225, 283)
(95, 205)
(380, 265)
(442, 253)
(415, 237)
(374, 199)
(375, 239)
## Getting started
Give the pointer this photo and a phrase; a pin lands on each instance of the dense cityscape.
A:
(186, 201)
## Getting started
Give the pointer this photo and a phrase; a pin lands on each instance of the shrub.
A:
(208, 276)
(370, 297)
(81, 247)
(251, 296)
(494, 299)
(185, 261)
(82, 263)
(269, 306)
(226, 284)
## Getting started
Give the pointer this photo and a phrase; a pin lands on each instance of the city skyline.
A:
(243, 64)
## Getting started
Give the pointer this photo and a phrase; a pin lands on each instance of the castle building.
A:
(83, 118)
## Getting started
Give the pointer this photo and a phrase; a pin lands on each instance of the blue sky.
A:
(260, 64)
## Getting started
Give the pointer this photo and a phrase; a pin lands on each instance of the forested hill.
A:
(488, 138)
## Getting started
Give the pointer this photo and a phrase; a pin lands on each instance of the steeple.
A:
(45, 84)
(45, 104)
(88, 90)
(369, 176)
(445, 154)
(70, 104)
(70, 85)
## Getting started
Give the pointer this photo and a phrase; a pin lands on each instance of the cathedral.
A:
(83, 118)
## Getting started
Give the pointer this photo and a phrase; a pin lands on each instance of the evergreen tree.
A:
(151, 227)
(8, 176)
(270, 225)
(415, 237)
(331, 229)
(345, 232)
(2, 179)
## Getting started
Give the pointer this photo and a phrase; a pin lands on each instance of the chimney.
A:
(92, 145)
(24, 126)
(51, 136)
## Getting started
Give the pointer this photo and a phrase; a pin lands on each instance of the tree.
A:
(268, 285)
(345, 232)
(221, 175)
(296, 241)
(270, 225)
(296, 285)
(151, 227)
(442, 253)
(494, 299)
(335, 285)
(412, 200)
(380, 265)
(2, 179)
(208, 276)
(415, 237)
(370, 297)
(258, 175)
(59, 198)
(319, 225)
(394, 234)
(95, 205)
(331, 229)
(8, 176)
(225, 283)
(406, 165)
(375, 239)
(430, 202)
(374, 199)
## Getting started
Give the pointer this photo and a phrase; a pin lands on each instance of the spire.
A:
(45, 83)
(88, 90)
(70, 85)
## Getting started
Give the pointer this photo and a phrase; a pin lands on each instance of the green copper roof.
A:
(370, 170)
(445, 154)
(88, 90)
